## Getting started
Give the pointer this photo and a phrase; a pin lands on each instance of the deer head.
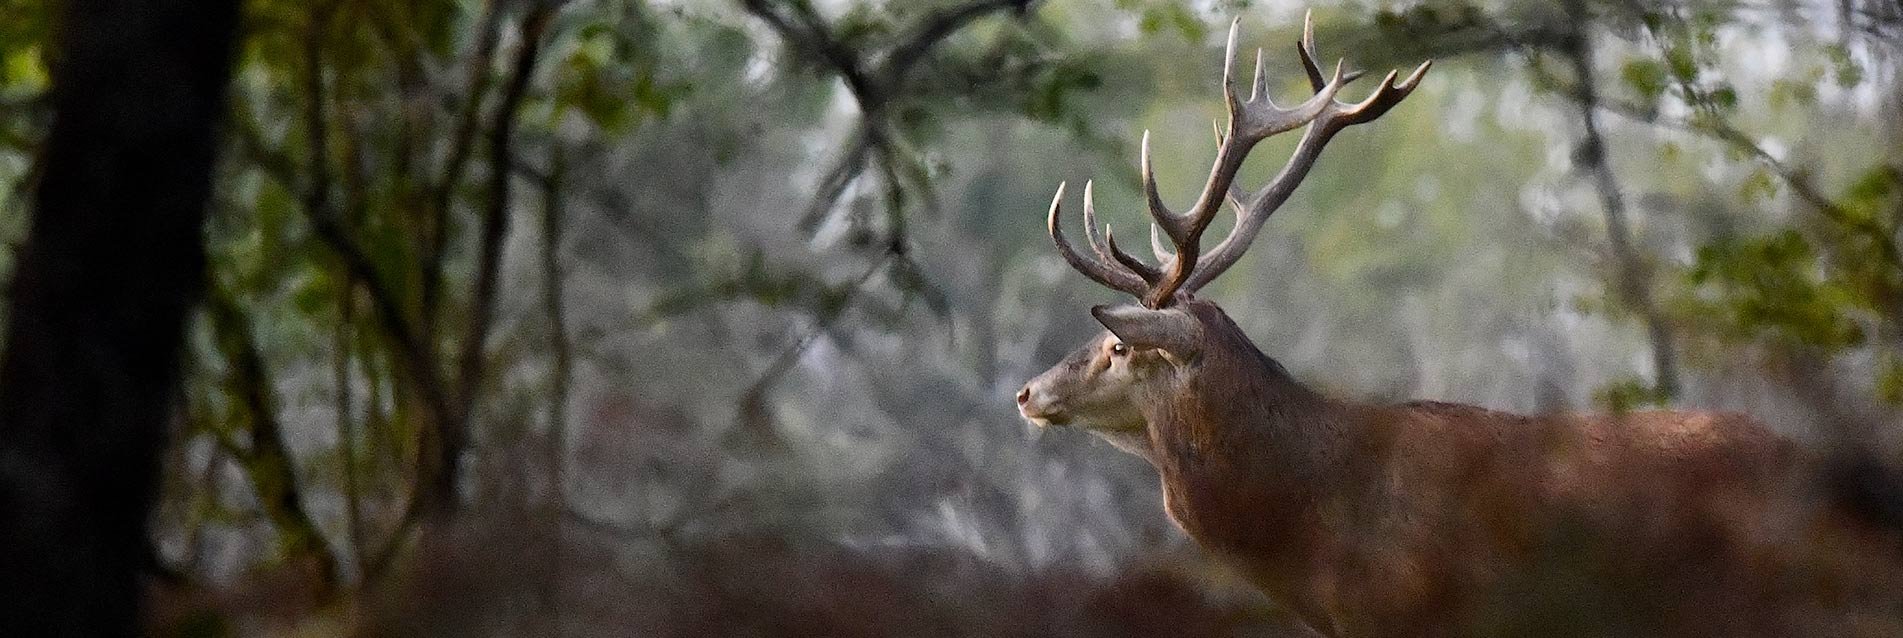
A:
(1152, 351)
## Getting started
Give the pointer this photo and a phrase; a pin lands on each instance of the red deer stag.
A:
(1437, 519)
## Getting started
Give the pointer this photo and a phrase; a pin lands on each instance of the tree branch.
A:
(872, 90)
(814, 37)
(850, 165)
(1634, 278)
(461, 148)
(347, 425)
(934, 28)
(752, 400)
(267, 462)
(561, 369)
(440, 488)
(1718, 130)
(413, 362)
(317, 196)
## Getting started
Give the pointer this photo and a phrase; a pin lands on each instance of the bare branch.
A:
(495, 226)
(1634, 279)
(872, 89)
(561, 368)
(851, 164)
(414, 363)
(934, 28)
(443, 194)
(753, 397)
(1718, 130)
(267, 462)
(813, 36)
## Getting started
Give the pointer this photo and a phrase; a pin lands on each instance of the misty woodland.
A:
(951, 318)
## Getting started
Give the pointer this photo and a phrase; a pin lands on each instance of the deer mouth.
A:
(1044, 418)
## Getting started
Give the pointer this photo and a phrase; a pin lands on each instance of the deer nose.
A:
(1024, 395)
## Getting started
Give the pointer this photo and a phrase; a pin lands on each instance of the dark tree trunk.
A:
(98, 306)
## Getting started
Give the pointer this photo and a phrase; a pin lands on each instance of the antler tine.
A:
(1305, 48)
(1105, 244)
(1384, 97)
(1261, 119)
(1229, 66)
(1259, 89)
(1091, 235)
(1250, 122)
(1097, 271)
(1162, 253)
(1158, 210)
(1149, 273)
(1334, 117)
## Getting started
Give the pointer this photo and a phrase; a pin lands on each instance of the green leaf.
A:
(1890, 380)
(23, 71)
(1787, 93)
(1876, 184)
(1725, 98)
(313, 292)
(1771, 287)
(1759, 186)
(1680, 61)
(1844, 68)
(1645, 76)
(1174, 16)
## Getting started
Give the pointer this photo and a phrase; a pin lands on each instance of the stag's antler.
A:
(1250, 122)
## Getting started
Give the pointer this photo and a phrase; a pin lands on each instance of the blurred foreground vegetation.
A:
(600, 316)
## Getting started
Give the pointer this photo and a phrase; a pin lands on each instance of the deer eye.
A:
(1119, 349)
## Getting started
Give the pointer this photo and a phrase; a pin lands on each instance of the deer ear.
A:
(1171, 330)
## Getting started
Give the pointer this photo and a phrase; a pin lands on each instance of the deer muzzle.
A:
(1038, 405)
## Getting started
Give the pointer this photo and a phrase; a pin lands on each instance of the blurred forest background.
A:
(622, 317)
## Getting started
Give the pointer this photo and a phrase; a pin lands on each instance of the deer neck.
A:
(1246, 454)
(1135, 442)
